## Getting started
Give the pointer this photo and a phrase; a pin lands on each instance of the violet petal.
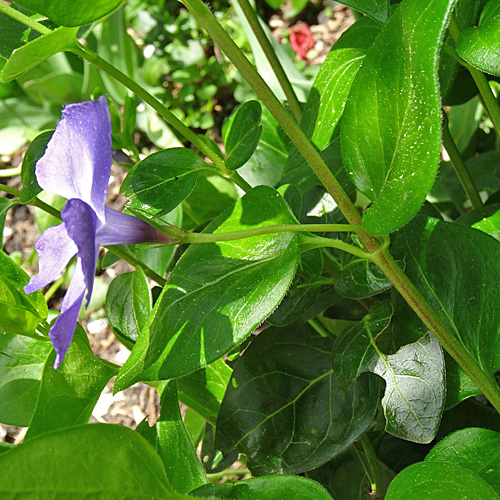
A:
(55, 248)
(77, 161)
(81, 224)
(61, 332)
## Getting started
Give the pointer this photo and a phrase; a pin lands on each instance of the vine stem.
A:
(489, 99)
(459, 165)
(271, 56)
(379, 255)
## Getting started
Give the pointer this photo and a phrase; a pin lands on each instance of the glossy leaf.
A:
(21, 365)
(13, 34)
(19, 313)
(285, 409)
(218, 292)
(33, 53)
(243, 134)
(439, 480)
(68, 395)
(377, 9)
(117, 461)
(34, 152)
(128, 303)
(161, 181)
(391, 135)
(170, 439)
(480, 46)
(71, 12)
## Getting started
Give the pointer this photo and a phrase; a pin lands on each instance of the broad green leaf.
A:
(128, 303)
(13, 34)
(5, 205)
(33, 53)
(428, 480)
(414, 376)
(285, 409)
(377, 9)
(490, 225)
(98, 461)
(169, 438)
(480, 46)
(157, 184)
(203, 390)
(464, 121)
(71, 12)
(474, 449)
(326, 102)
(391, 129)
(34, 152)
(213, 460)
(19, 313)
(217, 293)
(266, 488)
(21, 366)
(243, 134)
(455, 269)
(56, 88)
(6, 447)
(68, 395)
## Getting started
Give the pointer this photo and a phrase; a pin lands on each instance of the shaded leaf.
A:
(377, 9)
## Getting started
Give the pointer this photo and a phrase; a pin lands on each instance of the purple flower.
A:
(76, 165)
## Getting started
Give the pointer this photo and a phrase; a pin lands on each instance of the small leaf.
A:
(71, 12)
(439, 480)
(157, 184)
(391, 129)
(19, 313)
(33, 53)
(128, 303)
(243, 134)
(218, 292)
(266, 487)
(283, 375)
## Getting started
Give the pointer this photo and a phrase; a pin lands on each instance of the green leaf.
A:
(34, 152)
(56, 88)
(13, 34)
(473, 449)
(243, 134)
(268, 488)
(169, 438)
(128, 303)
(283, 375)
(464, 121)
(33, 53)
(377, 9)
(480, 46)
(68, 395)
(439, 480)
(71, 12)
(217, 293)
(414, 376)
(157, 184)
(391, 130)
(19, 313)
(490, 225)
(21, 366)
(5, 205)
(213, 460)
(117, 461)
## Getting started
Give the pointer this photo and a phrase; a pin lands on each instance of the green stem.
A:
(270, 53)
(36, 202)
(283, 228)
(20, 17)
(489, 99)
(373, 466)
(10, 172)
(8, 189)
(318, 326)
(212, 478)
(317, 242)
(53, 289)
(459, 165)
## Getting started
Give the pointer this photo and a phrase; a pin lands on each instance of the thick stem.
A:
(459, 165)
(270, 53)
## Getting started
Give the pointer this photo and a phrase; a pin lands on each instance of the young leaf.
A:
(157, 184)
(243, 134)
(285, 409)
(473, 449)
(19, 313)
(33, 53)
(21, 365)
(266, 487)
(71, 12)
(217, 293)
(391, 129)
(171, 441)
(377, 9)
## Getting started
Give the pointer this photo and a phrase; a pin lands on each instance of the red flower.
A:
(301, 39)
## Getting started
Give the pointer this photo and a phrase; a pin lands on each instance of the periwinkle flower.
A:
(76, 165)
